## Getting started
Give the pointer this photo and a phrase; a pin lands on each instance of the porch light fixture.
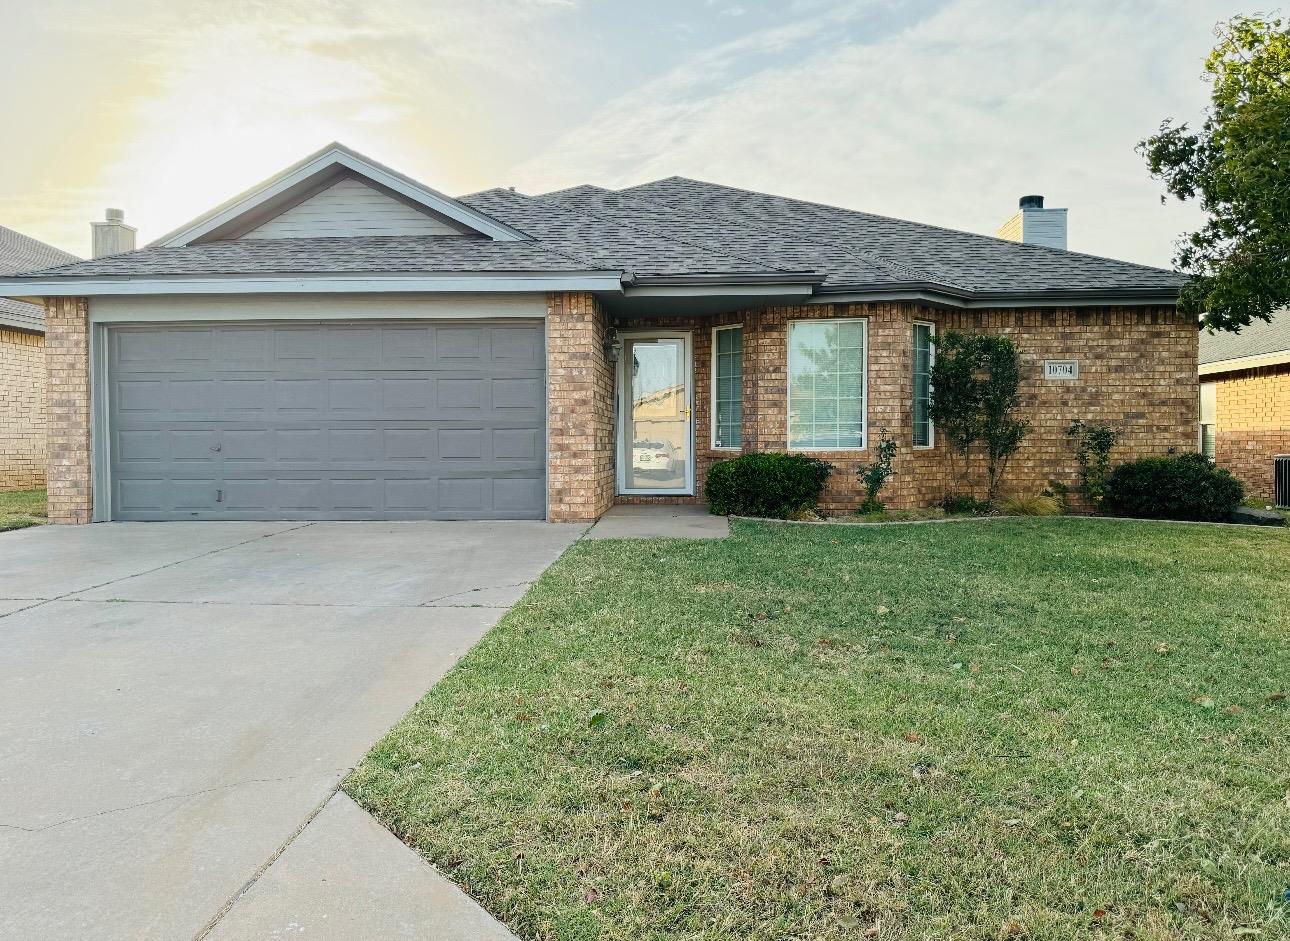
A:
(613, 345)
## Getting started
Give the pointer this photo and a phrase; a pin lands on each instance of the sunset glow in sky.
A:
(942, 112)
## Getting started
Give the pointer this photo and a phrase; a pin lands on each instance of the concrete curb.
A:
(987, 519)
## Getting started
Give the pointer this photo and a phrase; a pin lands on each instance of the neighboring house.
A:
(22, 366)
(343, 342)
(1245, 400)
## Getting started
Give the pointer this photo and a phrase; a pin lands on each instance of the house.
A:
(22, 366)
(344, 342)
(1245, 400)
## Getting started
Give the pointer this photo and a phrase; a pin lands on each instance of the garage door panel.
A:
(328, 421)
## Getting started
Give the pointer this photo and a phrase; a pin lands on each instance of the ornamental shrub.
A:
(1183, 487)
(874, 476)
(776, 486)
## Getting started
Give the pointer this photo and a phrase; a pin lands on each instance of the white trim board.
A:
(328, 307)
(334, 159)
(1245, 362)
(326, 284)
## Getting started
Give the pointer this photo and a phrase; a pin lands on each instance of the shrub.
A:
(772, 485)
(1030, 504)
(963, 504)
(1093, 444)
(875, 475)
(1185, 487)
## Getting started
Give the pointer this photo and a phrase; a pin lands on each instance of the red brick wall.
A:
(67, 356)
(1253, 424)
(580, 403)
(22, 410)
(1137, 373)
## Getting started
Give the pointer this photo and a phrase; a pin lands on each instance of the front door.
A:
(656, 434)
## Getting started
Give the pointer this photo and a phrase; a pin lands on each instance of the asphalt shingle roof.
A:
(19, 253)
(1257, 339)
(672, 228)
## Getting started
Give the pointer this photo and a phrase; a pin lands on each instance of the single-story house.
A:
(343, 342)
(22, 366)
(1245, 400)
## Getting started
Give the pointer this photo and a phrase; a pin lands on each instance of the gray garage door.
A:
(350, 420)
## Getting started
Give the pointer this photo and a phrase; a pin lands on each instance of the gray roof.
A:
(678, 228)
(19, 253)
(1258, 339)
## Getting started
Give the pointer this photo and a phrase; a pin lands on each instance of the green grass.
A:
(1059, 728)
(21, 508)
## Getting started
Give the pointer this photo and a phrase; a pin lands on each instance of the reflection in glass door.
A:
(655, 454)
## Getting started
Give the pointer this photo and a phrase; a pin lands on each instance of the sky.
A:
(942, 112)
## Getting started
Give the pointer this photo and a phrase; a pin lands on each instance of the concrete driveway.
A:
(180, 701)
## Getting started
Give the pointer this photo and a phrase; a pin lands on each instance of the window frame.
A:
(712, 388)
(788, 386)
(931, 362)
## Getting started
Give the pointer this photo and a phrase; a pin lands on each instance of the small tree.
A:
(875, 475)
(999, 371)
(975, 382)
(955, 399)
(1093, 444)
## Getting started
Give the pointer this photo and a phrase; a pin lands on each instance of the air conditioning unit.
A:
(1281, 480)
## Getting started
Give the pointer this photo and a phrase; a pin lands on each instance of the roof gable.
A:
(317, 173)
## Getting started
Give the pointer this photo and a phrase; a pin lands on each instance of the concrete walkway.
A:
(658, 521)
(180, 701)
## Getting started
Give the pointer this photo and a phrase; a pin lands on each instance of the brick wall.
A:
(1252, 424)
(580, 403)
(68, 367)
(1137, 373)
(22, 410)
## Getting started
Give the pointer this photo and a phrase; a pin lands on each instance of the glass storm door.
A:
(656, 449)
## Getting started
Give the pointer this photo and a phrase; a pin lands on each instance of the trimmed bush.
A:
(1185, 487)
(776, 486)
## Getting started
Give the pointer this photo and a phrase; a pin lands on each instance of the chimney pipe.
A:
(111, 236)
(1035, 225)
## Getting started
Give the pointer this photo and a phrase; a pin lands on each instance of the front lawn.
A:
(21, 508)
(1057, 728)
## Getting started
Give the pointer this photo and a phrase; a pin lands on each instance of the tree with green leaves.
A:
(1238, 166)
(975, 390)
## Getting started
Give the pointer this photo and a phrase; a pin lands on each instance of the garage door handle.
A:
(219, 496)
(217, 447)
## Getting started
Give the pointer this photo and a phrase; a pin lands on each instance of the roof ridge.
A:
(927, 225)
(679, 241)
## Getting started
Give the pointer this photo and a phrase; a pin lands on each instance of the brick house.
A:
(1245, 400)
(343, 342)
(22, 366)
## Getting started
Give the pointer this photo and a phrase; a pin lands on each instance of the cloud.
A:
(947, 120)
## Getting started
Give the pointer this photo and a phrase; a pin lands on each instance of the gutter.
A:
(1278, 358)
(946, 296)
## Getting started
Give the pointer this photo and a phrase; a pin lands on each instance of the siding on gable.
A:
(348, 208)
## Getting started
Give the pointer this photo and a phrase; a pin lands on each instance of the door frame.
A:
(623, 382)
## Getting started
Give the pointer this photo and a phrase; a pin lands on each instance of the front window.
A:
(826, 384)
(727, 387)
(923, 385)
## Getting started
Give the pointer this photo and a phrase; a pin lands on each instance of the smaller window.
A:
(727, 387)
(923, 353)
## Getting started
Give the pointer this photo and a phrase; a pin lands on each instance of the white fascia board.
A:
(333, 156)
(722, 290)
(1278, 358)
(966, 303)
(330, 284)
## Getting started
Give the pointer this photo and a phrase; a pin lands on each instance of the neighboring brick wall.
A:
(22, 410)
(1252, 424)
(580, 402)
(68, 361)
(1137, 373)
